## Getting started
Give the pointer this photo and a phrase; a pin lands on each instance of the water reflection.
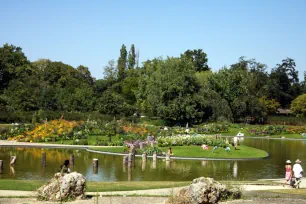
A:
(12, 170)
(235, 169)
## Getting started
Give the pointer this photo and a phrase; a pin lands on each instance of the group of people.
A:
(293, 174)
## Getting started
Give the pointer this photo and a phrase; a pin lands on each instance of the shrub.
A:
(188, 140)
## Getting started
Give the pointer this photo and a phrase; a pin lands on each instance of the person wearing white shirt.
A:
(297, 172)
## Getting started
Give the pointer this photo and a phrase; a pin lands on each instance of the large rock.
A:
(204, 190)
(63, 187)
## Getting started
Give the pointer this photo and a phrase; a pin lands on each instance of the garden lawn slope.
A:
(196, 151)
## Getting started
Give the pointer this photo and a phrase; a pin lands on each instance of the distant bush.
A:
(41, 115)
(286, 120)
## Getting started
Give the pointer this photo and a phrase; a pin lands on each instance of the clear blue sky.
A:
(91, 32)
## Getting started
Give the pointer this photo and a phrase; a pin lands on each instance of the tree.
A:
(132, 57)
(122, 62)
(85, 75)
(110, 72)
(11, 57)
(168, 89)
(198, 58)
(283, 84)
(298, 106)
(111, 103)
(271, 105)
(241, 86)
(23, 90)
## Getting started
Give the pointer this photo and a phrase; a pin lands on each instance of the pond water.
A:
(28, 164)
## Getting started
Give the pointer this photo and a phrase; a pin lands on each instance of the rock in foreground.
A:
(63, 187)
(204, 190)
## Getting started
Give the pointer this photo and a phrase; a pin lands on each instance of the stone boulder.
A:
(63, 187)
(204, 191)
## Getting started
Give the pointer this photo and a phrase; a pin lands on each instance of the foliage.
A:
(271, 105)
(212, 128)
(122, 62)
(176, 89)
(150, 150)
(189, 140)
(168, 89)
(51, 131)
(276, 130)
(134, 129)
(298, 106)
(198, 58)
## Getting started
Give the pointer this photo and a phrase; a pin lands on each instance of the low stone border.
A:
(183, 158)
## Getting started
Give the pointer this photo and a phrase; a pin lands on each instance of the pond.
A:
(28, 164)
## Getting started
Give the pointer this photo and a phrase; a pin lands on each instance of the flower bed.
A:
(53, 130)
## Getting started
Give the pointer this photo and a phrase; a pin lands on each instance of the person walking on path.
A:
(288, 175)
(297, 173)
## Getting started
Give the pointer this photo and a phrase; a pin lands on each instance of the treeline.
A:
(177, 89)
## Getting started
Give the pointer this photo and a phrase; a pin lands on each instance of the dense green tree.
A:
(22, 94)
(270, 105)
(111, 103)
(11, 57)
(283, 84)
(85, 75)
(132, 57)
(168, 88)
(298, 106)
(241, 86)
(122, 62)
(198, 58)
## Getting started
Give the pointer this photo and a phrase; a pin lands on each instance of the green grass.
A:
(108, 149)
(32, 185)
(196, 151)
(91, 140)
(20, 185)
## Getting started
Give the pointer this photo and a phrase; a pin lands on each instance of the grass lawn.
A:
(108, 149)
(91, 140)
(196, 151)
(32, 185)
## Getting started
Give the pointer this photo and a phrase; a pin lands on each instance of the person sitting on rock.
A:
(64, 167)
